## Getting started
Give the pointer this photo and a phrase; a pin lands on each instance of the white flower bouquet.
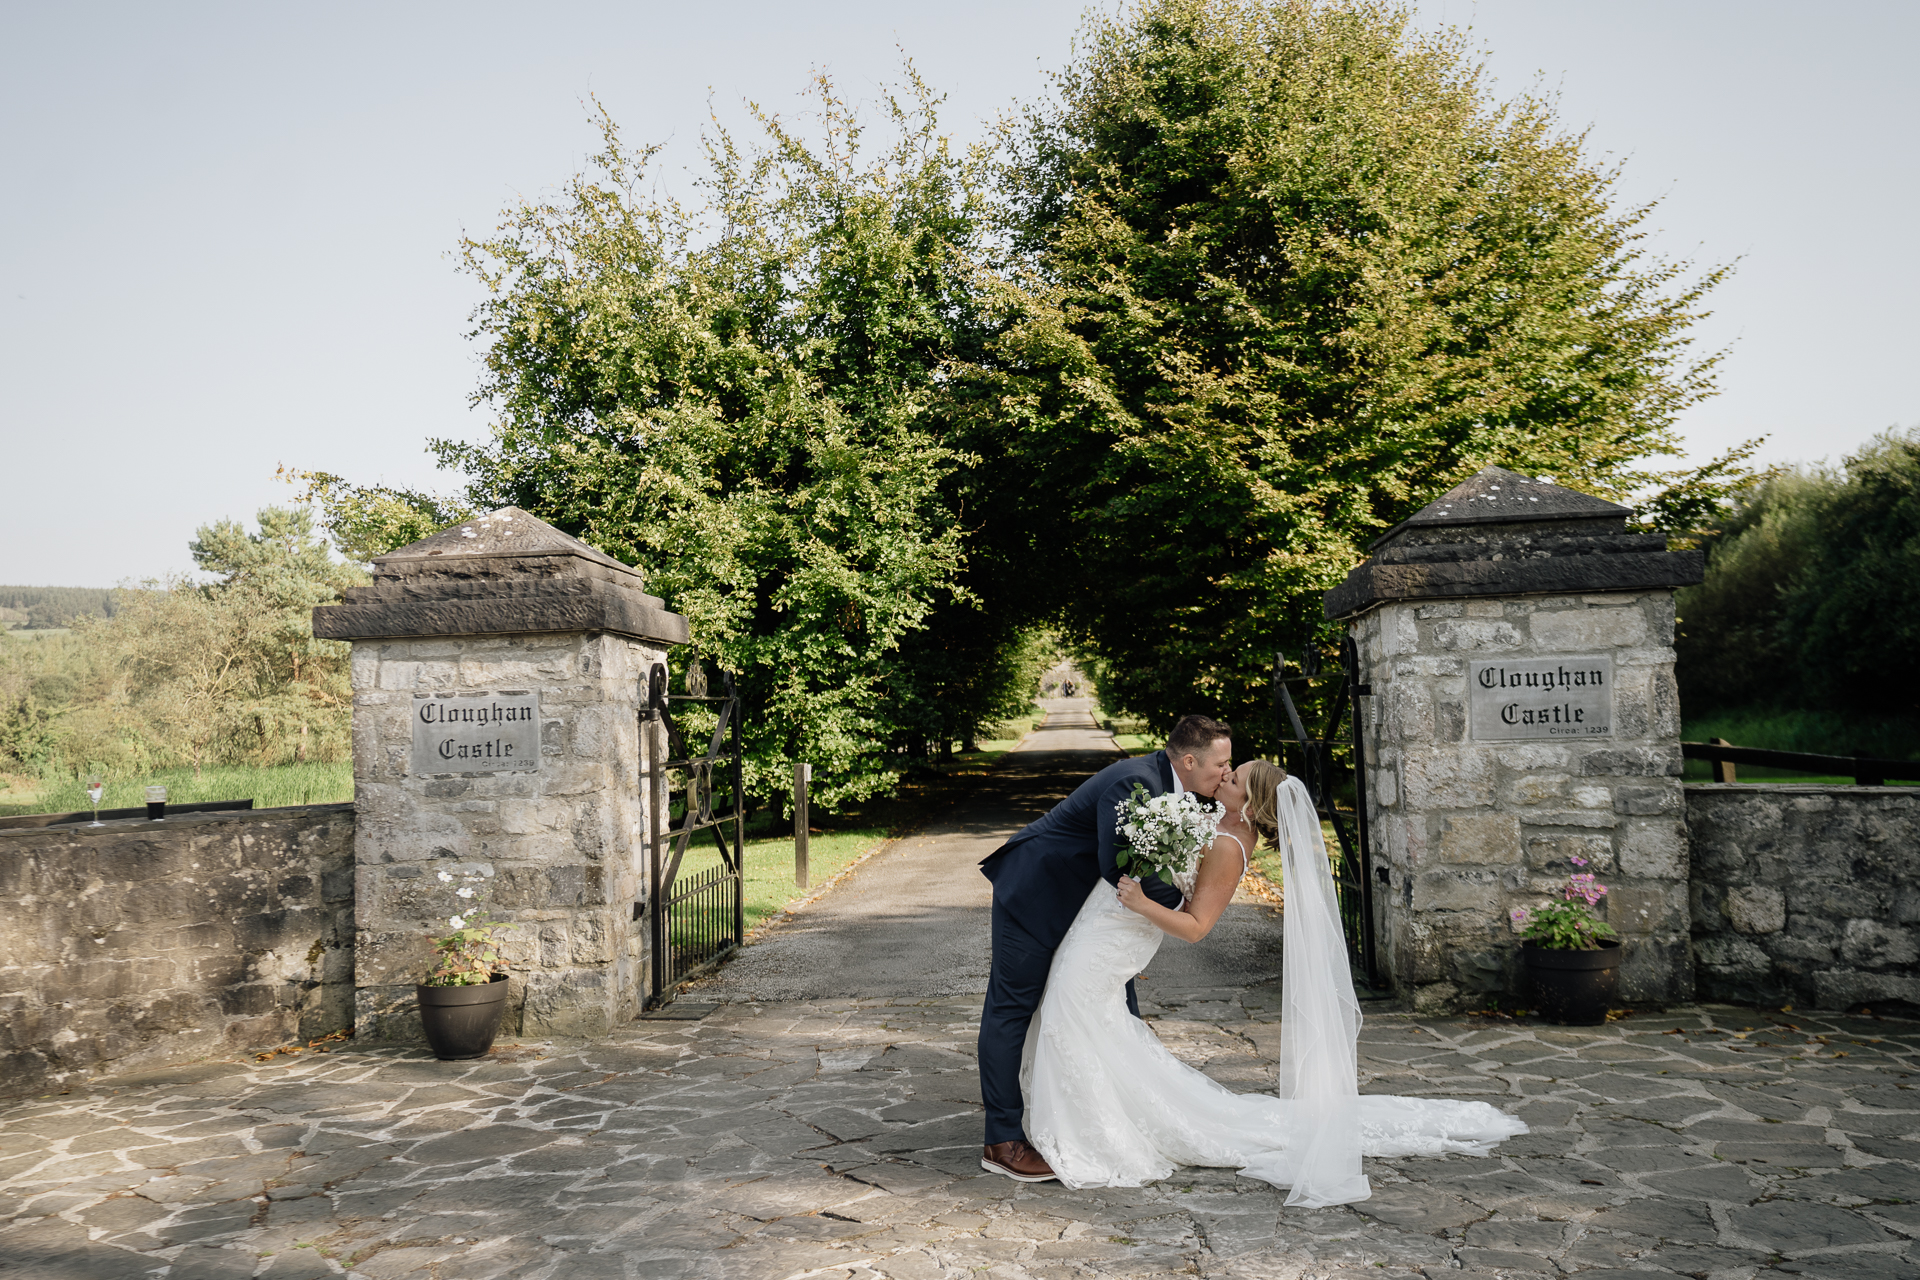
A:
(1166, 834)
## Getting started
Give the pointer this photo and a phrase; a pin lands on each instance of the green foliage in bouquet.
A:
(1163, 835)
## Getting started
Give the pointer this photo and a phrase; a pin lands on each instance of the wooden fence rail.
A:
(1866, 771)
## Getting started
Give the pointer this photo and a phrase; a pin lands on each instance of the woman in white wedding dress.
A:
(1108, 1106)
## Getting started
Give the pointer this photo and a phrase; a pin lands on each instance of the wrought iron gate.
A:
(699, 917)
(1333, 771)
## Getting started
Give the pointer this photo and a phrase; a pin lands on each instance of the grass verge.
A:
(269, 787)
(1133, 735)
(839, 840)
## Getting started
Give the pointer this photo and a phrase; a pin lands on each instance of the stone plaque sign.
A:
(476, 733)
(1541, 698)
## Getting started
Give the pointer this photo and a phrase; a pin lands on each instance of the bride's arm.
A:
(1213, 887)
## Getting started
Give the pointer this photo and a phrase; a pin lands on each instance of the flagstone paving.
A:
(839, 1139)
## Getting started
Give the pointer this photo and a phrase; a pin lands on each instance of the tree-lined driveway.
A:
(912, 921)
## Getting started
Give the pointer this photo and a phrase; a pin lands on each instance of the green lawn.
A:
(769, 865)
(1815, 732)
(269, 787)
(1133, 735)
(838, 840)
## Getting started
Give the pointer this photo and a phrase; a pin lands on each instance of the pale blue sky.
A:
(227, 233)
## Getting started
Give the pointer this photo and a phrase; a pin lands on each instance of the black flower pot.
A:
(461, 1022)
(1575, 988)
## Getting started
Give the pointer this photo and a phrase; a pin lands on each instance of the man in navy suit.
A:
(1041, 879)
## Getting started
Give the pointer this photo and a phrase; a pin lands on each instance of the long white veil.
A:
(1319, 1022)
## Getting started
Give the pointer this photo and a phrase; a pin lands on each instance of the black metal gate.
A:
(1333, 771)
(698, 917)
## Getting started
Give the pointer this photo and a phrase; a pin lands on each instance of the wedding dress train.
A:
(1108, 1106)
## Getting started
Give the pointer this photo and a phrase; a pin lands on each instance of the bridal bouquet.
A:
(1165, 834)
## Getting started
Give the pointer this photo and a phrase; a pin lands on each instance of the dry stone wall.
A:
(1464, 831)
(139, 944)
(1806, 895)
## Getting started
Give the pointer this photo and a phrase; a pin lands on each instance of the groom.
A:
(1041, 878)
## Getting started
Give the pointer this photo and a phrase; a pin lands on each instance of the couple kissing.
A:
(1077, 1088)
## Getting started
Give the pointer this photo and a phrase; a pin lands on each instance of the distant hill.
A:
(45, 608)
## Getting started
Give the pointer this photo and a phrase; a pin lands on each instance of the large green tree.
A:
(294, 701)
(1258, 280)
(1282, 273)
(743, 397)
(1809, 591)
(185, 672)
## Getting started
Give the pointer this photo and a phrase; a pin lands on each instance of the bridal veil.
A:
(1109, 1106)
(1319, 1024)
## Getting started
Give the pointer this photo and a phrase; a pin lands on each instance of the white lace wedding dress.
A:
(1108, 1106)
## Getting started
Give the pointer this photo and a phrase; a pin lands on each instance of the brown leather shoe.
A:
(1016, 1160)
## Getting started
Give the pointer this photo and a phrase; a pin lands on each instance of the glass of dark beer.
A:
(156, 803)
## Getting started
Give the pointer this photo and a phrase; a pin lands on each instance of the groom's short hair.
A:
(1194, 734)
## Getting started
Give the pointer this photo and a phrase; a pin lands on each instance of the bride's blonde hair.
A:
(1263, 800)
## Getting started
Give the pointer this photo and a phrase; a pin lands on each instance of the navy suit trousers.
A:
(1014, 987)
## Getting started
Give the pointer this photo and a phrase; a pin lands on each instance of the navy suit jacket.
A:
(1041, 877)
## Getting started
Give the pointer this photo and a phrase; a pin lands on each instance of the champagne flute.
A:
(96, 787)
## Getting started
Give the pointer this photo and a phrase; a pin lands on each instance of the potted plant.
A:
(462, 999)
(1572, 957)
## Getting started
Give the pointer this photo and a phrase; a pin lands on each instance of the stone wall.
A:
(1465, 831)
(1806, 895)
(561, 850)
(138, 944)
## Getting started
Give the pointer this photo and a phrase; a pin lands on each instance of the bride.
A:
(1108, 1106)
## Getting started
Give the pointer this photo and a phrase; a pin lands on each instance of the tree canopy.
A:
(226, 671)
(1808, 591)
(743, 398)
(1284, 273)
(1257, 280)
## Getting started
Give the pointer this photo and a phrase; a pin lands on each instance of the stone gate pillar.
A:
(499, 668)
(1518, 642)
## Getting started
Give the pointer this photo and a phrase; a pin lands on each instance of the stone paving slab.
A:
(838, 1138)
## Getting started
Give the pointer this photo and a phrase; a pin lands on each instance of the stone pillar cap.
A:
(1495, 495)
(1504, 534)
(502, 535)
(504, 573)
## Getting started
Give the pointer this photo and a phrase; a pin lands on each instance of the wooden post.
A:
(802, 774)
(1723, 770)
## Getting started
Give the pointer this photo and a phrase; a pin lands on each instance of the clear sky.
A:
(227, 233)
